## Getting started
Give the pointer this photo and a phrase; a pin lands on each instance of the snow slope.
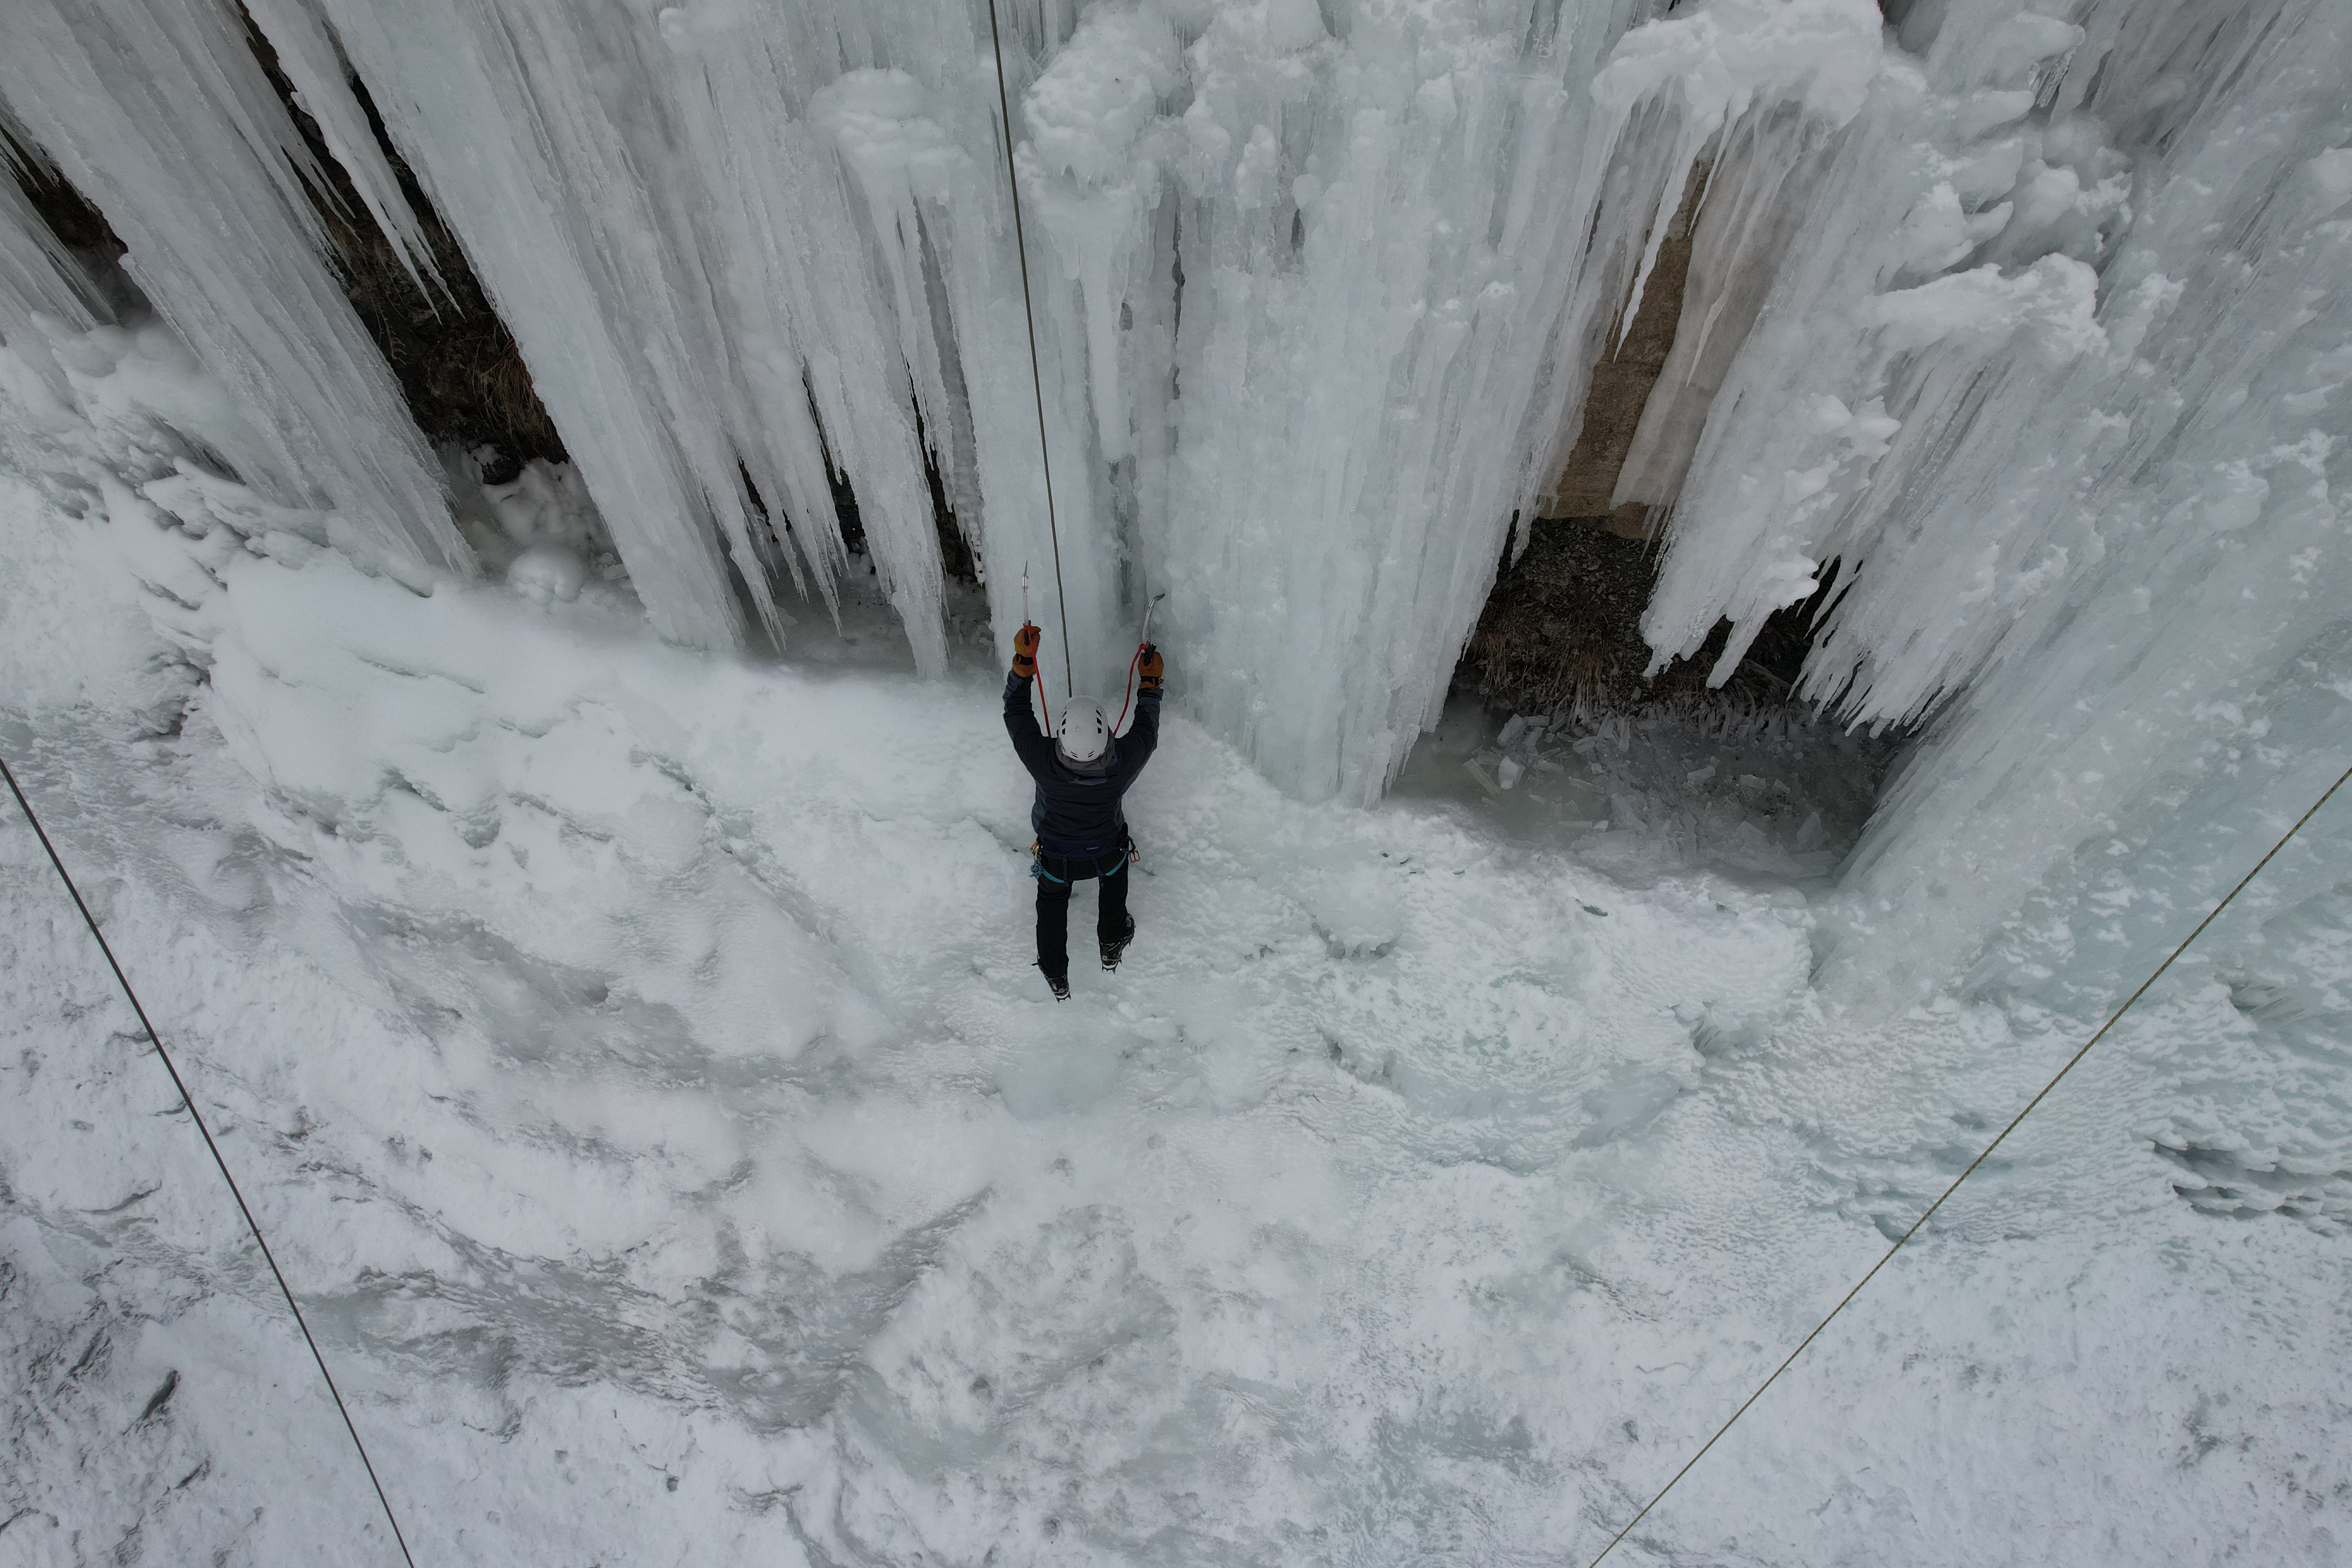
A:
(634, 1056)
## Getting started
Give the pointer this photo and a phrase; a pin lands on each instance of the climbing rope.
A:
(1037, 378)
(197, 1117)
(2210, 917)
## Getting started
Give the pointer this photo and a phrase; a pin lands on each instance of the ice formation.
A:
(2055, 371)
(1313, 303)
(161, 113)
(1316, 289)
(635, 1052)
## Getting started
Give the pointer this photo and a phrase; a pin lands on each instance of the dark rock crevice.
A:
(1562, 630)
(457, 366)
(79, 227)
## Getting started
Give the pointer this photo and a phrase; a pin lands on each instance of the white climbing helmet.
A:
(1085, 731)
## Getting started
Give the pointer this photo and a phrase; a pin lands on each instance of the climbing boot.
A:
(1112, 952)
(1060, 983)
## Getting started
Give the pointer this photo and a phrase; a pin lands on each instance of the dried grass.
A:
(1563, 632)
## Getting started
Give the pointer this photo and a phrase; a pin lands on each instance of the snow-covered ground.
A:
(635, 1056)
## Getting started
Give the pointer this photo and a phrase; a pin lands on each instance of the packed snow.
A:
(591, 906)
(635, 1058)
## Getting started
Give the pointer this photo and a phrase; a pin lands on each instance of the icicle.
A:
(1754, 198)
(207, 183)
(2074, 456)
(1381, 278)
(494, 109)
(42, 288)
(307, 53)
(39, 277)
(661, 214)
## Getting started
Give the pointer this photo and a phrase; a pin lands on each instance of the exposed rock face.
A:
(1562, 627)
(456, 364)
(1620, 389)
(81, 227)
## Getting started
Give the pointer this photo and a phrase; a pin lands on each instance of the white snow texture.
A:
(615, 992)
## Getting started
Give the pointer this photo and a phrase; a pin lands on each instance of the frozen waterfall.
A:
(1314, 299)
(2021, 314)
(161, 115)
(572, 856)
(2054, 370)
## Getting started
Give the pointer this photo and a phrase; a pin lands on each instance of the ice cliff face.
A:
(2055, 368)
(1317, 286)
(2020, 314)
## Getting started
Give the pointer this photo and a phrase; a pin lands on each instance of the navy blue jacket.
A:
(1077, 814)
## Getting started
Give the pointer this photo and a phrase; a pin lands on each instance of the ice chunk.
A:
(2056, 296)
(547, 572)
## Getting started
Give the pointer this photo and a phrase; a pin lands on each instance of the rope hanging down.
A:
(1036, 379)
(197, 1117)
(2210, 917)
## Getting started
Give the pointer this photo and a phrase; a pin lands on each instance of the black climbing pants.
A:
(1055, 879)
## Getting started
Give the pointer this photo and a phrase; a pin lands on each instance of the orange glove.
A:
(1024, 650)
(1154, 667)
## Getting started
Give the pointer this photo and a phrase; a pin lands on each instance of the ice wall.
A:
(1339, 298)
(161, 114)
(2021, 313)
(2054, 373)
(1294, 292)
(1316, 286)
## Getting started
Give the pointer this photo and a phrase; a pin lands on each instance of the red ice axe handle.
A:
(1133, 659)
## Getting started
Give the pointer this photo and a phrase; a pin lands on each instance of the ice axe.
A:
(1043, 708)
(1148, 610)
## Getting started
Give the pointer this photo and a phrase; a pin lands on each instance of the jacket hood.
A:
(1102, 764)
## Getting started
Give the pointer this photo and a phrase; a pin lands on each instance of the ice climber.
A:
(1081, 775)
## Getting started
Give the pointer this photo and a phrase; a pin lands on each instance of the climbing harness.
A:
(1136, 659)
(1125, 855)
(1037, 378)
(2210, 917)
(196, 1116)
